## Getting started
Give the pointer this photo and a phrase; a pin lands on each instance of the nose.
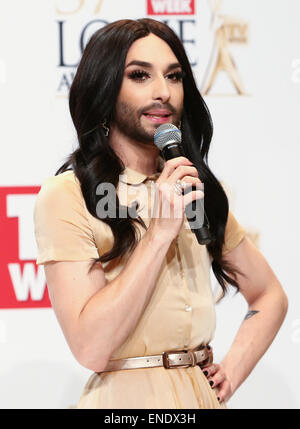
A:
(161, 90)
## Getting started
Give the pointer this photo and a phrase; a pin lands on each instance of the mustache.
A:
(157, 106)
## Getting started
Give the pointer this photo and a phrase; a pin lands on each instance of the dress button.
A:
(188, 307)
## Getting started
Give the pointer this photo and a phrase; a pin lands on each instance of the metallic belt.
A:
(201, 356)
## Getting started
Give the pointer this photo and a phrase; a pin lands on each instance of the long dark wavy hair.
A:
(92, 98)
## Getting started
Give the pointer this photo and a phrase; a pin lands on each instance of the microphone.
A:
(167, 138)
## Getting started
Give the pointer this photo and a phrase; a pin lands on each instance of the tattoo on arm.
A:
(250, 314)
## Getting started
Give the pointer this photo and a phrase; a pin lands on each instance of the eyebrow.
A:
(145, 64)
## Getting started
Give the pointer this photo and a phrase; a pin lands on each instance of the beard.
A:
(128, 121)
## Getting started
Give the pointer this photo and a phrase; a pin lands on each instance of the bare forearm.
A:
(114, 311)
(254, 336)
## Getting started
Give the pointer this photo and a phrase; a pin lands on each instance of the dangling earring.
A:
(179, 125)
(105, 126)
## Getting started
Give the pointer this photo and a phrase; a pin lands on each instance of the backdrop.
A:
(246, 59)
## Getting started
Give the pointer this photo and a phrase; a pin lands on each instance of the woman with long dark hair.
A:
(132, 292)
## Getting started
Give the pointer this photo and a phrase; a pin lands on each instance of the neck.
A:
(139, 156)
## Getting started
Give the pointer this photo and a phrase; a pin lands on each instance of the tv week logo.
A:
(171, 7)
(23, 283)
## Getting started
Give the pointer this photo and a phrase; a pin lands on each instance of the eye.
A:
(138, 75)
(176, 76)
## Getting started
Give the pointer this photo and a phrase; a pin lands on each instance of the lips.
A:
(162, 113)
(160, 116)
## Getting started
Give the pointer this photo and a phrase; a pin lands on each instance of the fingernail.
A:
(205, 372)
(211, 382)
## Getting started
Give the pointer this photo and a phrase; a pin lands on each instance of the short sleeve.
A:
(61, 226)
(234, 233)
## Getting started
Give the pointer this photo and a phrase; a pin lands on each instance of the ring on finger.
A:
(181, 184)
(177, 188)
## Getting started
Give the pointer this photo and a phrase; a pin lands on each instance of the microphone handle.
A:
(202, 232)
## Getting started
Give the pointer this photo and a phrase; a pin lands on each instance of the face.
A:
(152, 91)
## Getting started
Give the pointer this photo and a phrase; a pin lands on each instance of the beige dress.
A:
(180, 314)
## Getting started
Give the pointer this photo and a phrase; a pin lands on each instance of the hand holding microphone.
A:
(168, 139)
(169, 205)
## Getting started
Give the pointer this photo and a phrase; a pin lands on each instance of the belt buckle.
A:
(209, 358)
(165, 360)
(166, 363)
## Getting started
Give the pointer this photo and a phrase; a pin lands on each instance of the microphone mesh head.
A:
(166, 133)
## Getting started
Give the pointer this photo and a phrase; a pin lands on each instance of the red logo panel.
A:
(23, 283)
(170, 7)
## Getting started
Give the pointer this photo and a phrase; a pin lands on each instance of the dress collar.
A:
(133, 177)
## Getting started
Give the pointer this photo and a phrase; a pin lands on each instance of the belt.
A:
(201, 356)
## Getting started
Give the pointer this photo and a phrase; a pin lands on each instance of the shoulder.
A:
(63, 185)
(60, 193)
(62, 228)
(66, 180)
(234, 233)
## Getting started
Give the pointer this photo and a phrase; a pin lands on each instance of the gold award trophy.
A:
(227, 30)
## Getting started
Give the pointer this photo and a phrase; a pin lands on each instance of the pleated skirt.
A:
(150, 388)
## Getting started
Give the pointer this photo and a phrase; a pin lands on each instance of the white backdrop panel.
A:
(255, 152)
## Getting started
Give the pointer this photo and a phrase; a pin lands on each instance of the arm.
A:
(97, 317)
(267, 309)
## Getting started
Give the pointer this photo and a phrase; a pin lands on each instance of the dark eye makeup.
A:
(142, 75)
